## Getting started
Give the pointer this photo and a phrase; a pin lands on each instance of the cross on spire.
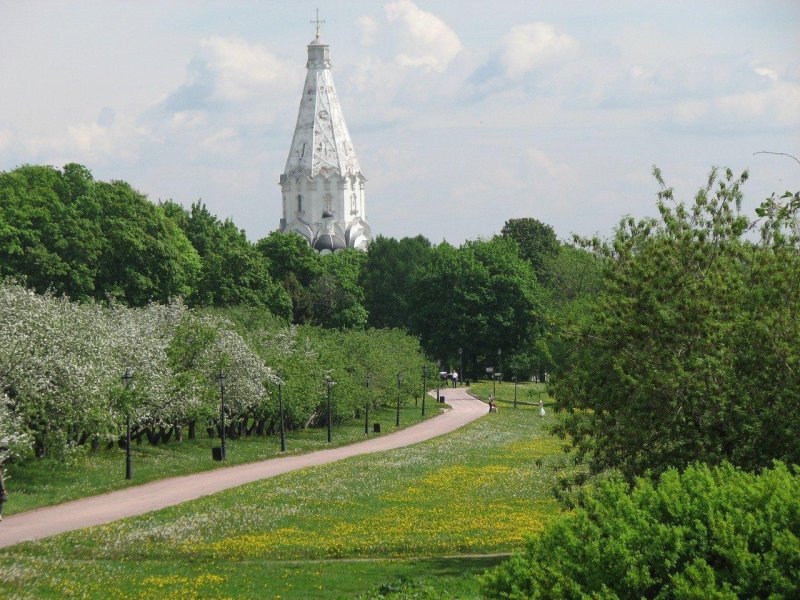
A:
(317, 22)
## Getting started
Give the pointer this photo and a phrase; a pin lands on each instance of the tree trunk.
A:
(165, 434)
(211, 430)
(152, 436)
(95, 444)
(192, 429)
(178, 432)
(260, 429)
(83, 438)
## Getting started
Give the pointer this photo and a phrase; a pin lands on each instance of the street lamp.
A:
(126, 381)
(283, 418)
(438, 378)
(329, 383)
(399, 382)
(424, 387)
(515, 391)
(221, 379)
(500, 362)
(366, 405)
(461, 362)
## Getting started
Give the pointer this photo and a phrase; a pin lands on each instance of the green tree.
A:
(704, 533)
(146, 257)
(482, 297)
(233, 272)
(388, 279)
(294, 264)
(49, 232)
(537, 241)
(691, 349)
(336, 295)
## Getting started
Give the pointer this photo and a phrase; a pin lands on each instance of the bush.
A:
(704, 533)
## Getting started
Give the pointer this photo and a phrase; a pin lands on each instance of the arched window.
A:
(299, 202)
(353, 208)
(328, 202)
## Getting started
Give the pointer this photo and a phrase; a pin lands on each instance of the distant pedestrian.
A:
(455, 379)
(541, 408)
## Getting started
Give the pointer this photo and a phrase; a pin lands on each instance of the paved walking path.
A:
(96, 510)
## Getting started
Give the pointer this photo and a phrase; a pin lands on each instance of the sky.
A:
(464, 114)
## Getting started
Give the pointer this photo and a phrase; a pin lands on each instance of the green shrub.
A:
(704, 533)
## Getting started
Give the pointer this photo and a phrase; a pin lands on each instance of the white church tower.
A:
(322, 185)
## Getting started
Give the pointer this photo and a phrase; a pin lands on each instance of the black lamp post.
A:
(515, 391)
(221, 379)
(366, 404)
(399, 382)
(329, 383)
(283, 418)
(461, 363)
(438, 378)
(424, 387)
(126, 381)
(499, 362)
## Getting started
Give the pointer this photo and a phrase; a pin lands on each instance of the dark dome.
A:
(328, 241)
(327, 214)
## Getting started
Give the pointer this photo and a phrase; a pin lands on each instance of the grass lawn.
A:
(478, 490)
(42, 482)
(527, 392)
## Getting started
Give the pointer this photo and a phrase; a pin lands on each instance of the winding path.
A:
(96, 510)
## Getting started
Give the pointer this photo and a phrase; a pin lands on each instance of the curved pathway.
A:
(96, 510)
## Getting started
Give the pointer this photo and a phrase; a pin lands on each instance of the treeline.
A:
(64, 232)
(61, 367)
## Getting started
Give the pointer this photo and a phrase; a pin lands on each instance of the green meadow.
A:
(420, 522)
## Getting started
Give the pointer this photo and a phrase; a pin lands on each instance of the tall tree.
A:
(49, 231)
(233, 272)
(537, 241)
(690, 350)
(388, 279)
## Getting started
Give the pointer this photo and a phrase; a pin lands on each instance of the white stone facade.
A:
(322, 184)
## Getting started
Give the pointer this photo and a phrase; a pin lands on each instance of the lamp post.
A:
(500, 362)
(515, 391)
(438, 378)
(221, 379)
(494, 385)
(366, 405)
(329, 383)
(461, 364)
(283, 418)
(399, 382)
(424, 387)
(126, 381)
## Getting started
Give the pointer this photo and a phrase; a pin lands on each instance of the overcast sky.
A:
(463, 113)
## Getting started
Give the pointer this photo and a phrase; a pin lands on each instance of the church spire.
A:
(322, 173)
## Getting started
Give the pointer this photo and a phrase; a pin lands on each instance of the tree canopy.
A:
(690, 349)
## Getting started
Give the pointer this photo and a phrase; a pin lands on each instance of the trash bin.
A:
(376, 427)
(216, 453)
(466, 382)
(441, 398)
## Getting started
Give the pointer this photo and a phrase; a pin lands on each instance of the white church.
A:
(322, 185)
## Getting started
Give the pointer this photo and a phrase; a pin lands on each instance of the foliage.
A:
(537, 242)
(704, 533)
(337, 299)
(691, 349)
(481, 297)
(233, 271)
(61, 365)
(389, 276)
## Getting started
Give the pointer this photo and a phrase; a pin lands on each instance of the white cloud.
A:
(533, 45)
(369, 27)
(430, 43)
(231, 70)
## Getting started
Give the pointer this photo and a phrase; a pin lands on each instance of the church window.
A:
(353, 203)
(327, 199)
(299, 203)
